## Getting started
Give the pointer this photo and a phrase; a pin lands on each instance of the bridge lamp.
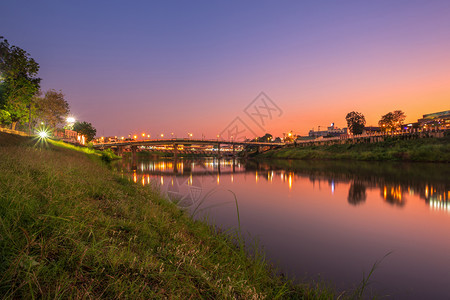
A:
(148, 135)
(135, 137)
(143, 135)
(162, 134)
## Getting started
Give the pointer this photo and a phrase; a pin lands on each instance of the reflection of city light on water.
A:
(393, 194)
(290, 180)
(162, 180)
(256, 176)
(332, 187)
(436, 204)
(134, 177)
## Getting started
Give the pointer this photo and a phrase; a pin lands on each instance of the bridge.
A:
(184, 145)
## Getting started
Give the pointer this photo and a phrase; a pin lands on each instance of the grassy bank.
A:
(393, 149)
(71, 228)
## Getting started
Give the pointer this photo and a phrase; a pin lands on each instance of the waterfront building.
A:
(438, 119)
(331, 131)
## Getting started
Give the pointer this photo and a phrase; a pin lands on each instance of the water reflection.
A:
(356, 193)
(395, 181)
(332, 218)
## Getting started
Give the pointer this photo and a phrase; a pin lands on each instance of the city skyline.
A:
(178, 67)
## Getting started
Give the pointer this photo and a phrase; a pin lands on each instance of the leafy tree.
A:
(85, 129)
(392, 120)
(265, 138)
(355, 122)
(18, 82)
(289, 137)
(52, 108)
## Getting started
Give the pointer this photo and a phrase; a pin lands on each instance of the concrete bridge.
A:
(186, 145)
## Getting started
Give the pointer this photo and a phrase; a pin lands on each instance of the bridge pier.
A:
(175, 151)
(218, 151)
(234, 153)
(175, 167)
(119, 150)
(133, 157)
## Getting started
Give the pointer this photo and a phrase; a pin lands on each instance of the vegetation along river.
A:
(324, 220)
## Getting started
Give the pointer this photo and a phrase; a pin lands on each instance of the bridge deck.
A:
(162, 142)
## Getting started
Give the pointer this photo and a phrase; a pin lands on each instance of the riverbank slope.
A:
(71, 228)
(393, 149)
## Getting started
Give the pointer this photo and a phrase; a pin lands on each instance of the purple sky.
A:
(163, 66)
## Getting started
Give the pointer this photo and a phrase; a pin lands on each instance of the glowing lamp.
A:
(43, 134)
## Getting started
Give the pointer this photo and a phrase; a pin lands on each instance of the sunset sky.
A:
(193, 66)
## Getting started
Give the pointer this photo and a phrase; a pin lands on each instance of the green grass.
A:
(71, 228)
(394, 149)
(106, 155)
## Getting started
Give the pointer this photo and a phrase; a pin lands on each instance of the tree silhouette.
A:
(355, 122)
(356, 193)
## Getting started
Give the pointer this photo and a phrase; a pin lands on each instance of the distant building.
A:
(331, 131)
(65, 134)
(440, 119)
(70, 134)
(371, 129)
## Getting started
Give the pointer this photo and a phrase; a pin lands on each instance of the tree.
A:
(52, 108)
(18, 82)
(392, 120)
(265, 138)
(355, 122)
(86, 129)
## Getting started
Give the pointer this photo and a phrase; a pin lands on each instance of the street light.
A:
(70, 122)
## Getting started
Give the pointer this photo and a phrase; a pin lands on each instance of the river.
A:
(324, 220)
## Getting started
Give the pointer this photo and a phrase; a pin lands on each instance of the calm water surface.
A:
(327, 220)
